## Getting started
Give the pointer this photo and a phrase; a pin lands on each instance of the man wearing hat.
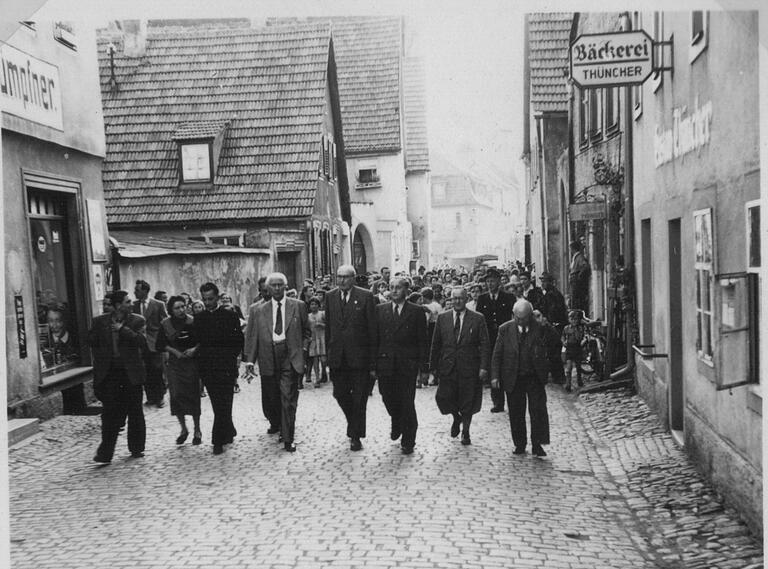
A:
(496, 306)
(552, 303)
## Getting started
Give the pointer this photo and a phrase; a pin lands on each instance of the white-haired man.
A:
(520, 365)
(350, 342)
(278, 337)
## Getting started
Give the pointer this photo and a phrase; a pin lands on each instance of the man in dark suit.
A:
(118, 344)
(350, 342)
(520, 363)
(552, 307)
(153, 311)
(221, 341)
(460, 357)
(401, 332)
(531, 292)
(278, 337)
(496, 306)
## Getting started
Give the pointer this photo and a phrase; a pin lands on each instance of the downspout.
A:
(540, 173)
(629, 222)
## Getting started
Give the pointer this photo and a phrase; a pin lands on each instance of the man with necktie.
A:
(460, 357)
(401, 332)
(496, 306)
(520, 364)
(278, 337)
(153, 311)
(350, 342)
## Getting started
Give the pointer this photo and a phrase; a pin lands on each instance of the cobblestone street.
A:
(614, 492)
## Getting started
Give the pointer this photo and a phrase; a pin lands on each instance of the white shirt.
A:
(522, 329)
(278, 337)
(397, 308)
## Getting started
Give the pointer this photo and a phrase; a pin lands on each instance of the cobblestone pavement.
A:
(599, 500)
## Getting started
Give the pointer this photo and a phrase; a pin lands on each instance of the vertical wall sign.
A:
(21, 332)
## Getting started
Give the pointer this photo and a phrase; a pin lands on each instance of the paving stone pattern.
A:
(587, 505)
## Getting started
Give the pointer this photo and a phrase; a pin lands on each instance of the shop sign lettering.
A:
(690, 131)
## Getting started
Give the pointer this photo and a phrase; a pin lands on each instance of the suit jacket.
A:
(495, 313)
(553, 307)
(467, 357)
(154, 314)
(534, 296)
(258, 335)
(350, 331)
(506, 353)
(401, 340)
(131, 343)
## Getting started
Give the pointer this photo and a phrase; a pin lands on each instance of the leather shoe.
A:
(137, 455)
(394, 434)
(290, 447)
(356, 445)
(465, 440)
(519, 450)
(182, 437)
(538, 451)
(196, 440)
(160, 404)
(280, 438)
(455, 427)
(273, 430)
(218, 449)
(497, 409)
(102, 459)
(407, 450)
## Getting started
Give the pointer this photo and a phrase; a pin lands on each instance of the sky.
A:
(472, 50)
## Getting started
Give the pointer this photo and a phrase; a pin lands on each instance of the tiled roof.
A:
(199, 129)
(415, 107)
(367, 53)
(548, 37)
(269, 82)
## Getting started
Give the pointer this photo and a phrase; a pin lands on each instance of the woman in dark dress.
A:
(176, 337)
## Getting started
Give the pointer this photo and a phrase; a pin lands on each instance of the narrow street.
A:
(614, 492)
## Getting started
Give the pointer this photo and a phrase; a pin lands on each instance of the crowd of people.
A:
(460, 330)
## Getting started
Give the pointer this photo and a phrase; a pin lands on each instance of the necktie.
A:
(279, 321)
(143, 302)
(457, 326)
(523, 334)
(346, 297)
(397, 310)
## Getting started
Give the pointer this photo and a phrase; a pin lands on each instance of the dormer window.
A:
(200, 145)
(196, 162)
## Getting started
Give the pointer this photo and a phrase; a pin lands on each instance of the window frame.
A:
(202, 142)
(750, 327)
(700, 41)
(748, 207)
(612, 95)
(595, 130)
(700, 266)
(584, 116)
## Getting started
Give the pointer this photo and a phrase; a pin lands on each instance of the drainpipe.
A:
(629, 219)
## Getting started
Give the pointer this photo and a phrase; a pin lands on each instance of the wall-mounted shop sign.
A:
(21, 332)
(690, 131)
(604, 60)
(30, 88)
(587, 211)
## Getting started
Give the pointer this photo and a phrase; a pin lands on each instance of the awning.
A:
(136, 245)
(477, 256)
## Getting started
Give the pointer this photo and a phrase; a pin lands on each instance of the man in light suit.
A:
(401, 333)
(350, 342)
(460, 358)
(153, 311)
(520, 364)
(278, 336)
(118, 344)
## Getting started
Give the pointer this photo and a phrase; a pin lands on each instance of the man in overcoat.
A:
(118, 345)
(401, 332)
(153, 311)
(460, 358)
(350, 342)
(496, 306)
(520, 365)
(278, 336)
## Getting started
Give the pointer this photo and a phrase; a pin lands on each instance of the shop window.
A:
(196, 162)
(704, 262)
(699, 34)
(52, 247)
(738, 341)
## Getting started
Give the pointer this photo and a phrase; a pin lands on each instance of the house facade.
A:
(56, 246)
(228, 136)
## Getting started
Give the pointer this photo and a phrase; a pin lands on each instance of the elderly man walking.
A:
(521, 361)
(278, 338)
(460, 357)
(350, 342)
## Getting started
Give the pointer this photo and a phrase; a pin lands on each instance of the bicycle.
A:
(592, 364)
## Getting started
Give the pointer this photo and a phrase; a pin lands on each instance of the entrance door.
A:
(359, 260)
(286, 264)
(676, 395)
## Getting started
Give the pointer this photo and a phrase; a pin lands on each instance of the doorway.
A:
(676, 393)
(286, 264)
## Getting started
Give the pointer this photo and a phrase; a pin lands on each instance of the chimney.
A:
(134, 37)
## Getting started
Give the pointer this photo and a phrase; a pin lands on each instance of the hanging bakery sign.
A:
(609, 60)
